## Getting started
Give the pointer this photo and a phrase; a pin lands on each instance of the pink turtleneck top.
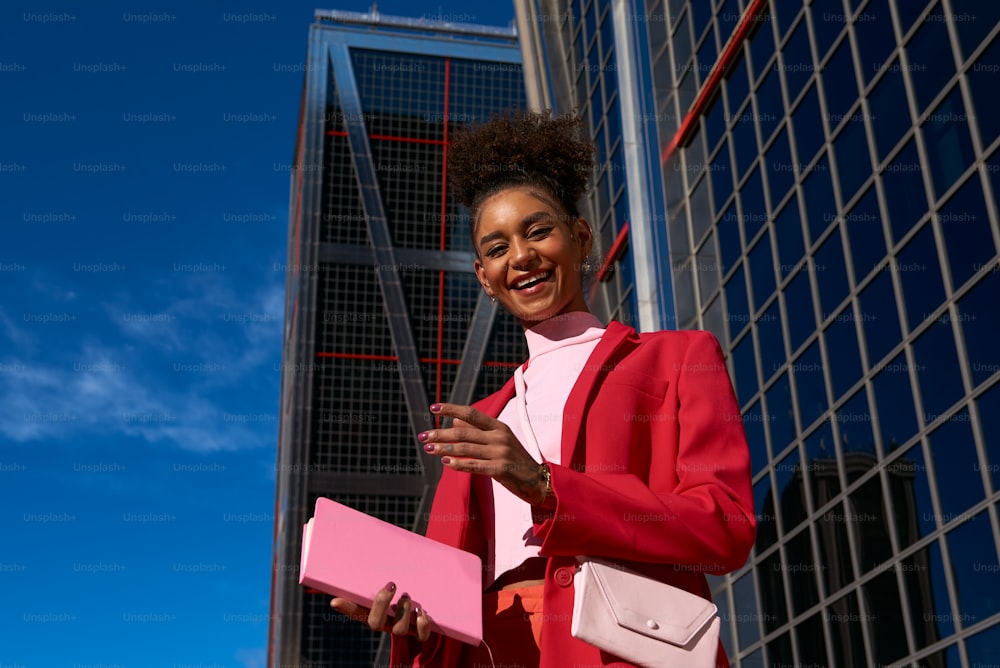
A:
(558, 349)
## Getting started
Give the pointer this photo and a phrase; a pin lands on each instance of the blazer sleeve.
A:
(696, 510)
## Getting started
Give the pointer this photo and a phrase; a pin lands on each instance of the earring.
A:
(493, 300)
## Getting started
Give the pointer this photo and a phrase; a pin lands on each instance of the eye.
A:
(495, 251)
(540, 232)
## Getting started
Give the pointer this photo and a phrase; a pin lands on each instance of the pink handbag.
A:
(647, 622)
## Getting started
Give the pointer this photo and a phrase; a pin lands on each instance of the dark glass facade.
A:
(829, 175)
(384, 314)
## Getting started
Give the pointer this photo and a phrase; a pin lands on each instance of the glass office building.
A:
(384, 314)
(815, 183)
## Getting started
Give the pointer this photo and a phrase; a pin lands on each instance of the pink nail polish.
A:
(390, 587)
(446, 460)
(429, 447)
(422, 436)
(435, 408)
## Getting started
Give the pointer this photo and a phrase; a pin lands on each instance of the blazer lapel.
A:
(597, 366)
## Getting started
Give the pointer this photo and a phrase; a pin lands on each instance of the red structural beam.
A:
(408, 140)
(442, 241)
(730, 54)
(394, 358)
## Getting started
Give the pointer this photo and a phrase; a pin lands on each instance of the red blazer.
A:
(655, 474)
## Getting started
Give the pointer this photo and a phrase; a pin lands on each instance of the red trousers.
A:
(512, 630)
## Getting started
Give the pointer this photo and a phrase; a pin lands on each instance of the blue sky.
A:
(144, 175)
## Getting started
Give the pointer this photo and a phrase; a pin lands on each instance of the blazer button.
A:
(564, 576)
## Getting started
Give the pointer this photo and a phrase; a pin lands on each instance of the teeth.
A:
(521, 284)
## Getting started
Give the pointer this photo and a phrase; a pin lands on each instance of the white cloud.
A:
(19, 339)
(252, 658)
(154, 385)
(56, 293)
(104, 396)
(210, 321)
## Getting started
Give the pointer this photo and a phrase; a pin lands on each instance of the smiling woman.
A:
(605, 443)
(529, 254)
(521, 176)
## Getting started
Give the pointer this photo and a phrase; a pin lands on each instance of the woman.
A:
(631, 449)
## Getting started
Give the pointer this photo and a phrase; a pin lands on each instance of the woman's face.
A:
(529, 255)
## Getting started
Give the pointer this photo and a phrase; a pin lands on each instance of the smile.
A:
(531, 280)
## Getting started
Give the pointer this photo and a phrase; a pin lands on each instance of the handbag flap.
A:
(650, 607)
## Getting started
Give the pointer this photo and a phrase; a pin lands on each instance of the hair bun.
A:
(518, 148)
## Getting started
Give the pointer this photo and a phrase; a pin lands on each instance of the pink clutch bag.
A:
(352, 555)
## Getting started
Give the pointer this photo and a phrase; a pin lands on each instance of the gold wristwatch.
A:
(546, 473)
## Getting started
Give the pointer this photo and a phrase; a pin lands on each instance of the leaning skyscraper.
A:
(384, 314)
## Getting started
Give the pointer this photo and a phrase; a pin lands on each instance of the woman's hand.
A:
(477, 443)
(377, 618)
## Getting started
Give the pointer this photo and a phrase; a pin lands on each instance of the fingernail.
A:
(429, 447)
(422, 436)
(419, 612)
(446, 460)
(435, 408)
(391, 587)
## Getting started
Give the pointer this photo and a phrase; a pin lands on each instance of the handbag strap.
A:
(522, 413)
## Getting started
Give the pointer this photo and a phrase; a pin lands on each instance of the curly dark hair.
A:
(521, 148)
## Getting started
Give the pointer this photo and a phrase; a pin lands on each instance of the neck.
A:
(553, 321)
(564, 329)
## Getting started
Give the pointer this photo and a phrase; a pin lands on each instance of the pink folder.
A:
(352, 555)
